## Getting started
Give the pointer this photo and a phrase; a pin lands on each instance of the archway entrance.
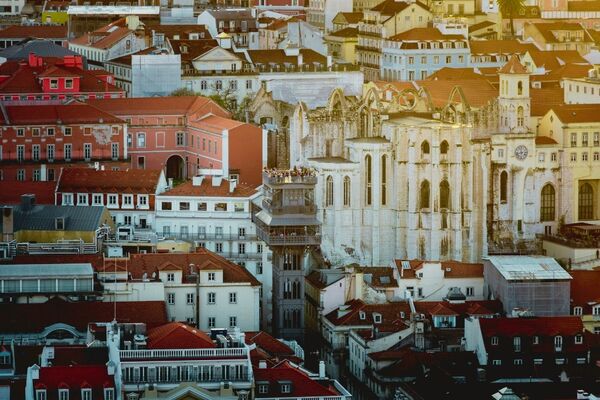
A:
(175, 167)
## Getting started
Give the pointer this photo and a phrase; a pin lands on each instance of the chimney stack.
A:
(7, 224)
(322, 369)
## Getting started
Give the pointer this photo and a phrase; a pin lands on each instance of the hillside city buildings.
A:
(282, 199)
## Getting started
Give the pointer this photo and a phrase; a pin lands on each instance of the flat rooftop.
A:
(16, 271)
(529, 267)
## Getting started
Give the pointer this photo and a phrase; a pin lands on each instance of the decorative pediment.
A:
(217, 54)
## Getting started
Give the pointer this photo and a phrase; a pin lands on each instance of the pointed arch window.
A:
(444, 194)
(424, 147)
(586, 201)
(520, 116)
(520, 88)
(346, 191)
(548, 203)
(503, 186)
(444, 147)
(329, 191)
(424, 194)
(368, 179)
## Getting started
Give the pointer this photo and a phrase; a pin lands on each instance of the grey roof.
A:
(41, 47)
(16, 271)
(528, 268)
(43, 218)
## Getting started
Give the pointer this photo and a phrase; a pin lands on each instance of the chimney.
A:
(262, 364)
(32, 60)
(358, 285)
(7, 224)
(197, 180)
(322, 369)
(300, 60)
(329, 61)
(232, 185)
(27, 202)
(133, 21)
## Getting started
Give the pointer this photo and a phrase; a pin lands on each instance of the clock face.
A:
(521, 152)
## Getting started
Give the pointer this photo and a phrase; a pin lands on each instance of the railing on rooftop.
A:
(183, 353)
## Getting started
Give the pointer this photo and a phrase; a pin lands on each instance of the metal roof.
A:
(528, 268)
(43, 218)
(41, 47)
(12, 271)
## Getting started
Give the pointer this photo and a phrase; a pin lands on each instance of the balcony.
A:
(182, 354)
(176, 380)
(208, 236)
(280, 239)
(282, 179)
(279, 210)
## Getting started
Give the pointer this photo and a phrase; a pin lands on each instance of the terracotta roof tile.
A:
(393, 7)
(43, 191)
(170, 105)
(89, 180)
(75, 377)
(352, 17)
(513, 66)
(452, 269)
(301, 384)
(206, 189)
(176, 335)
(584, 290)
(36, 31)
(191, 49)
(78, 314)
(583, 5)
(500, 47)
(275, 348)
(74, 113)
(545, 140)
(577, 113)
(424, 34)
(480, 25)
(546, 29)
(542, 100)
(477, 92)
(345, 32)
(147, 264)
(541, 326)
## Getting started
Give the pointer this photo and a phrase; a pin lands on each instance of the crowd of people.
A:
(294, 172)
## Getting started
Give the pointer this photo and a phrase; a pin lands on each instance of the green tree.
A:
(511, 8)
(183, 92)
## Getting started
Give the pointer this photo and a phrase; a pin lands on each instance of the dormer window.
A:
(377, 318)
(63, 394)
(68, 83)
(286, 387)
(109, 394)
(578, 339)
(40, 394)
(212, 276)
(263, 388)
(170, 277)
(362, 315)
(596, 310)
(494, 341)
(577, 310)
(53, 83)
(59, 224)
(86, 394)
(536, 340)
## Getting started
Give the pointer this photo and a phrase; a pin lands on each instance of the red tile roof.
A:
(542, 100)
(345, 32)
(577, 113)
(547, 29)
(302, 384)
(477, 92)
(176, 335)
(393, 7)
(89, 180)
(500, 47)
(35, 31)
(276, 349)
(206, 189)
(452, 269)
(171, 105)
(425, 34)
(138, 264)
(540, 326)
(105, 37)
(24, 79)
(77, 314)
(391, 315)
(513, 66)
(43, 191)
(190, 49)
(75, 377)
(544, 140)
(75, 113)
(584, 289)
(217, 124)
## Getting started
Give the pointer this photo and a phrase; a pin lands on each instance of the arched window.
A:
(329, 191)
(520, 88)
(424, 195)
(346, 190)
(444, 147)
(368, 180)
(383, 180)
(444, 194)
(520, 118)
(425, 147)
(547, 208)
(586, 201)
(503, 185)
